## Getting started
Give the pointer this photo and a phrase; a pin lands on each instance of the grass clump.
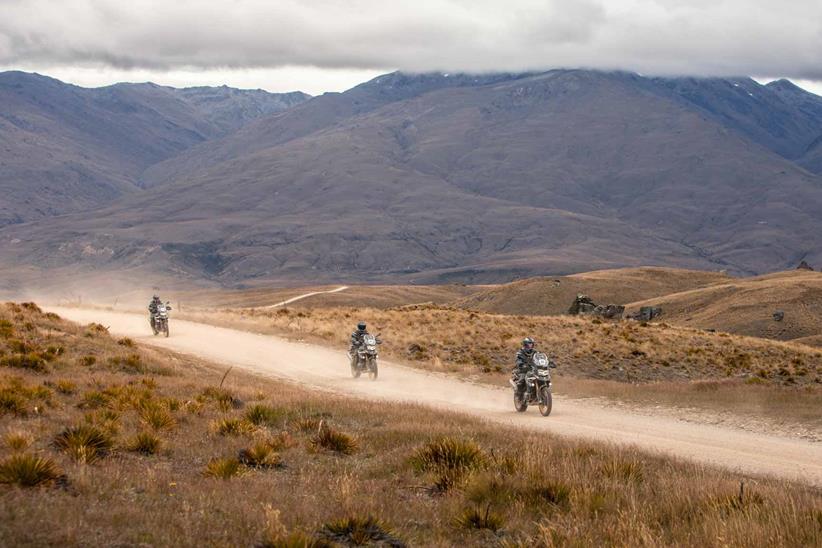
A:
(223, 468)
(476, 518)
(260, 455)
(449, 454)
(231, 426)
(30, 360)
(156, 416)
(28, 470)
(65, 386)
(17, 441)
(127, 342)
(264, 415)
(145, 443)
(623, 470)
(84, 443)
(13, 403)
(359, 531)
(223, 398)
(333, 440)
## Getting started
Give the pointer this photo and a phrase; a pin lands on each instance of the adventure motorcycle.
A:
(365, 359)
(537, 385)
(159, 319)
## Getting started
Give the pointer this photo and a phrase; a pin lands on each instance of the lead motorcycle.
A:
(365, 360)
(537, 385)
(159, 319)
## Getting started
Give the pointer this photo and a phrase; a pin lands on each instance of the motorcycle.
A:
(365, 360)
(159, 320)
(537, 385)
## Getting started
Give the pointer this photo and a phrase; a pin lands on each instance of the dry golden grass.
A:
(517, 489)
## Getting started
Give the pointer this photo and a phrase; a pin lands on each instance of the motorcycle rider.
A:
(523, 364)
(356, 341)
(152, 309)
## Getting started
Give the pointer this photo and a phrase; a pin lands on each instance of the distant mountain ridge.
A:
(441, 177)
(67, 148)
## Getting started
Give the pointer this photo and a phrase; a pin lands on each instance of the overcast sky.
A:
(330, 45)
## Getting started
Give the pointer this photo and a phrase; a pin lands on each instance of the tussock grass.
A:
(329, 439)
(156, 416)
(260, 455)
(478, 518)
(264, 415)
(360, 531)
(28, 470)
(17, 440)
(223, 468)
(65, 386)
(232, 426)
(449, 453)
(84, 443)
(295, 539)
(146, 443)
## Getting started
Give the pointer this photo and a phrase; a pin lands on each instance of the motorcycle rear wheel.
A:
(546, 403)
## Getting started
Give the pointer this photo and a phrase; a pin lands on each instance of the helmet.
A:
(361, 326)
(528, 343)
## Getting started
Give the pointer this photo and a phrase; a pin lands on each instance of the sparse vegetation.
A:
(358, 531)
(333, 440)
(264, 415)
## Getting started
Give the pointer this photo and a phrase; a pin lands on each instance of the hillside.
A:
(553, 295)
(108, 443)
(746, 306)
(558, 172)
(64, 148)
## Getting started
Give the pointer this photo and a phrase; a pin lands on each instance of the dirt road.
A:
(314, 365)
(305, 296)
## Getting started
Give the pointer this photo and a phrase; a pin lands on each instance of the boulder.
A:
(778, 315)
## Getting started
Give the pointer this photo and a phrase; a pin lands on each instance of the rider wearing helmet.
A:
(152, 309)
(523, 362)
(356, 340)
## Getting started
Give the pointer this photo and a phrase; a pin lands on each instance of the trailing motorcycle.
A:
(537, 385)
(365, 358)
(159, 319)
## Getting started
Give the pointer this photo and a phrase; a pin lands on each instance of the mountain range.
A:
(424, 178)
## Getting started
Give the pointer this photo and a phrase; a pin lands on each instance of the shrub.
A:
(6, 329)
(357, 531)
(31, 307)
(231, 426)
(28, 470)
(88, 361)
(145, 443)
(333, 440)
(127, 342)
(264, 415)
(155, 415)
(224, 468)
(85, 443)
(474, 518)
(94, 399)
(17, 441)
(260, 455)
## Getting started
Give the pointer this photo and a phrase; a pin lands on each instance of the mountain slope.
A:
(481, 181)
(64, 148)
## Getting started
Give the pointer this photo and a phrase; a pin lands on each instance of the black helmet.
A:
(528, 343)
(361, 326)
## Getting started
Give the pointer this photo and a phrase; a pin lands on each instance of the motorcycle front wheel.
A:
(165, 329)
(355, 369)
(546, 403)
(519, 403)
(372, 370)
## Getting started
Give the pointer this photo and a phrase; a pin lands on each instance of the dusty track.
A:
(305, 296)
(313, 365)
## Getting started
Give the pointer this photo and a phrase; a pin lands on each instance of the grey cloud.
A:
(717, 37)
